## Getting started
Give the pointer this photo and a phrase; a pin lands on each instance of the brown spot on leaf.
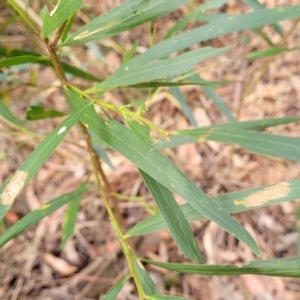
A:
(13, 187)
(274, 192)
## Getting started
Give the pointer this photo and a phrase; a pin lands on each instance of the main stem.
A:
(115, 216)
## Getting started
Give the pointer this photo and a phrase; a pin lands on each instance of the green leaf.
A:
(264, 36)
(231, 203)
(268, 52)
(159, 167)
(100, 150)
(12, 53)
(19, 60)
(255, 142)
(77, 72)
(283, 267)
(201, 134)
(115, 290)
(128, 56)
(129, 74)
(68, 26)
(123, 17)
(39, 113)
(258, 6)
(59, 14)
(230, 23)
(149, 287)
(246, 125)
(8, 115)
(156, 84)
(182, 23)
(218, 101)
(40, 213)
(12, 186)
(70, 219)
(174, 218)
(184, 105)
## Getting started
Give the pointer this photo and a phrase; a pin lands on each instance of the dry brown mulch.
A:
(32, 266)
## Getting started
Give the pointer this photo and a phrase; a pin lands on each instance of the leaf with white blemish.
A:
(229, 24)
(277, 191)
(235, 202)
(40, 213)
(59, 14)
(13, 185)
(121, 18)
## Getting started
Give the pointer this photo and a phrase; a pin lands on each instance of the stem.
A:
(116, 218)
(57, 35)
(98, 170)
(128, 252)
(56, 62)
(122, 111)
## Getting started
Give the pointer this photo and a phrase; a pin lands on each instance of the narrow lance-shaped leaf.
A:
(45, 61)
(230, 23)
(173, 216)
(197, 134)
(59, 14)
(123, 17)
(258, 6)
(39, 214)
(184, 105)
(39, 113)
(135, 74)
(149, 287)
(283, 267)
(98, 147)
(115, 290)
(19, 60)
(235, 202)
(182, 23)
(12, 186)
(8, 115)
(155, 164)
(131, 52)
(246, 125)
(268, 52)
(174, 219)
(218, 101)
(255, 142)
(160, 83)
(70, 219)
